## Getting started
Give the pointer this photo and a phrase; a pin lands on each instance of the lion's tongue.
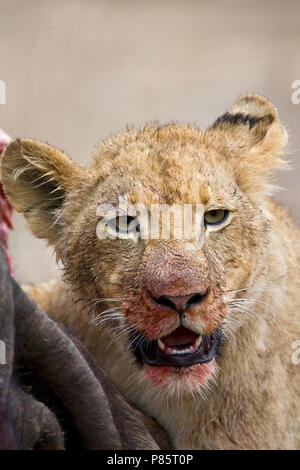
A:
(179, 337)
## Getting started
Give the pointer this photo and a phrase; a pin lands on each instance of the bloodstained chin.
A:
(191, 377)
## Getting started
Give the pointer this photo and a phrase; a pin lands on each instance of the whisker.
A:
(112, 317)
(111, 311)
(235, 290)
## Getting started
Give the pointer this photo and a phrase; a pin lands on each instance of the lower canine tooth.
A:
(198, 341)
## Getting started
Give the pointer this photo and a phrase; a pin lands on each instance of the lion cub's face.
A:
(171, 297)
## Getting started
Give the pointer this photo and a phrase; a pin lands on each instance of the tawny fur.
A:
(251, 400)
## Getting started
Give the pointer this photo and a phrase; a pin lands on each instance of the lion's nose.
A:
(182, 302)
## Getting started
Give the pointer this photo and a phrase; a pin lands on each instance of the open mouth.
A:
(181, 348)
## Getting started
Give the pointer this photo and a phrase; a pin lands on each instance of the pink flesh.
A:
(5, 207)
(4, 140)
(179, 337)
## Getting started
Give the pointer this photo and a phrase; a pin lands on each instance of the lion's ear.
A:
(253, 139)
(36, 178)
(252, 121)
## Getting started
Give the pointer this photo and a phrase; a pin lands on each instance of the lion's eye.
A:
(124, 224)
(215, 217)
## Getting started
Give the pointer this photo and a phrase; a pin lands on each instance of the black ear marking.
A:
(238, 119)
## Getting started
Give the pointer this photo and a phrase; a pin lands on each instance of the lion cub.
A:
(198, 332)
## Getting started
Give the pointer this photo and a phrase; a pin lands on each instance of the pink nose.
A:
(174, 280)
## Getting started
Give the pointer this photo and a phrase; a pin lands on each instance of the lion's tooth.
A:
(161, 344)
(178, 351)
(198, 341)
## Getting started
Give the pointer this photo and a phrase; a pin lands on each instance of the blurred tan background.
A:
(78, 70)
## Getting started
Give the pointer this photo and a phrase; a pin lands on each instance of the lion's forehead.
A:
(150, 181)
(166, 159)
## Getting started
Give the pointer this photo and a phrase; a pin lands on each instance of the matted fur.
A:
(249, 397)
